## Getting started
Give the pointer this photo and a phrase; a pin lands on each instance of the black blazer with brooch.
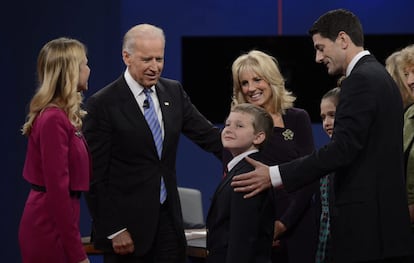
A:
(371, 217)
(239, 230)
(124, 192)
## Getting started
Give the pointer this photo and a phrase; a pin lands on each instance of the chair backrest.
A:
(191, 207)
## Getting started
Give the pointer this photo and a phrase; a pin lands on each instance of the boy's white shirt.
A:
(238, 158)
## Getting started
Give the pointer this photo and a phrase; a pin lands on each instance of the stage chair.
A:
(191, 207)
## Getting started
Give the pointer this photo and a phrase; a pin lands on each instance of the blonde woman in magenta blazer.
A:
(57, 160)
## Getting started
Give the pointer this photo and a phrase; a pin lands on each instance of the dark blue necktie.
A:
(154, 124)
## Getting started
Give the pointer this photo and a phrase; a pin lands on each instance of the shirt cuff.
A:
(275, 176)
(117, 233)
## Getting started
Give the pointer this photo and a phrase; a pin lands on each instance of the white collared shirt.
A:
(238, 158)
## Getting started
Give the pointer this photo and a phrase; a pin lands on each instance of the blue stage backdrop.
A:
(26, 25)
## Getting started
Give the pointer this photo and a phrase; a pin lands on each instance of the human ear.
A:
(343, 39)
(259, 138)
(126, 57)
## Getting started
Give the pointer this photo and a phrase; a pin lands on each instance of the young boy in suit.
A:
(241, 230)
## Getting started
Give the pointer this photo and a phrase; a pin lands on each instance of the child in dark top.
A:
(328, 106)
(241, 230)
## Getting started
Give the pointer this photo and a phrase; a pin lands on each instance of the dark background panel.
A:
(209, 84)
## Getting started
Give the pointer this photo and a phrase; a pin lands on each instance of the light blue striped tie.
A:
(154, 124)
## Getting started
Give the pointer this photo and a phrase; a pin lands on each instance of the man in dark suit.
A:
(370, 221)
(131, 221)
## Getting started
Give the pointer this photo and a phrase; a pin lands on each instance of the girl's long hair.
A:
(58, 67)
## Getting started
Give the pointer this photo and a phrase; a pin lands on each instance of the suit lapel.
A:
(165, 102)
(128, 104)
(227, 180)
(239, 168)
(130, 109)
(362, 60)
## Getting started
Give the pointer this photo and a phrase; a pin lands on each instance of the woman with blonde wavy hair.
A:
(393, 65)
(400, 65)
(57, 161)
(258, 80)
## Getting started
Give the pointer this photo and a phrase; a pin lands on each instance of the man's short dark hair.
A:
(331, 23)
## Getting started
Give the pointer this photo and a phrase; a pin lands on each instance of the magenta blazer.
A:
(57, 158)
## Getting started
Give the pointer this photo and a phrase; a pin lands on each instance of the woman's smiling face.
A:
(255, 89)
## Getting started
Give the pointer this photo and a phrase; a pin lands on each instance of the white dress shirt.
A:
(238, 158)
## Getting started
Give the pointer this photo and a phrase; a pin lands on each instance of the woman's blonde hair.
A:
(394, 65)
(58, 67)
(267, 68)
(407, 61)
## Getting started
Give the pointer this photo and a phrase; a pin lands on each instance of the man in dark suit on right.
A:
(370, 222)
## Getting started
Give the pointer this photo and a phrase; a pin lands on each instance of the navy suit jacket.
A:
(239, 230)
(371, 216)
(124, 192)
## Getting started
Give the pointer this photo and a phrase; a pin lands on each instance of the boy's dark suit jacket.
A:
(371, 216)
(239, 230)
(125, 187)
